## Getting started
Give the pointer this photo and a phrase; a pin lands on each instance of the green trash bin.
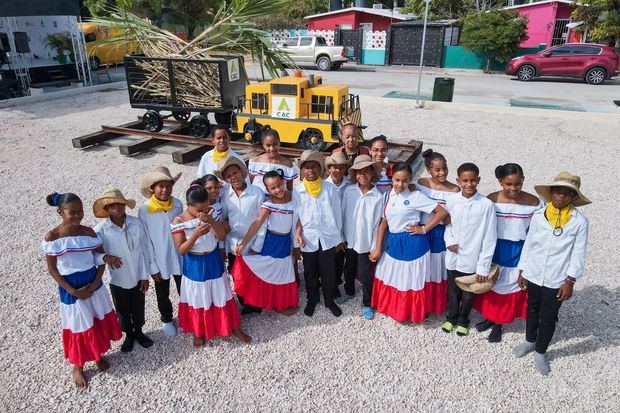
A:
(443, 90)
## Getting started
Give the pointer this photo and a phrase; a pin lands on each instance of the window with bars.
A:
(260, 101)
(321, 104)
(560, 32)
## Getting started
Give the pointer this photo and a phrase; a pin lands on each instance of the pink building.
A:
(366, 18)
(547, 22)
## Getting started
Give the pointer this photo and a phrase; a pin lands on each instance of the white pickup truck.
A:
(314, 51)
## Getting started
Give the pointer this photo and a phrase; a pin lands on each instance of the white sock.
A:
(523, 349)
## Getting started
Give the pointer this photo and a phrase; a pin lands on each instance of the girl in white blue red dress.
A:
(438, 189)
(271, 160)
(378, 152)
(89, 322)
(206, 306)
(398, 289)
(514, 210)
(267, 280)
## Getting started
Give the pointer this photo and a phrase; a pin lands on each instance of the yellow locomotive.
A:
(301, 108)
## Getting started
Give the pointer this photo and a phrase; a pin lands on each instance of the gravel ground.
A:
(297, 363)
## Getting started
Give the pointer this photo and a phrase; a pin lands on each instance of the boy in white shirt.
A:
(552, 260)
(220, 136)
(361, 214)
(318, 205)
(470, 239)
(337, 165)
(129, 258)
(157, 214)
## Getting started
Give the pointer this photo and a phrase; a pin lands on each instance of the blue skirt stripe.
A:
(277, 245)
(405, 247)
(435, 237)
(203, 267)
(507, 253)
(77, 280)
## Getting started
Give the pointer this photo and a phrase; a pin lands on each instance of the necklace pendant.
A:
(557, 231)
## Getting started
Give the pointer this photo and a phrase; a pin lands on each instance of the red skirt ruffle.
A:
(399, 305)
(436, 294)
(502, 308)
(259, 293)
(209, 322)
(91, 344)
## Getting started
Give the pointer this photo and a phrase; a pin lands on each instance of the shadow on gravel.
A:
(590, 316)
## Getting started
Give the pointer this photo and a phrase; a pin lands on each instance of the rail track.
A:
(131, 138)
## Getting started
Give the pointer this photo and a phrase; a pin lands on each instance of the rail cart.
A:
(183, 87)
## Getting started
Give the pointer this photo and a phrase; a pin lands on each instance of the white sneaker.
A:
(170, 329)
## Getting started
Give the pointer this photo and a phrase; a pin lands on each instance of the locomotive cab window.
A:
(259, 101)
(290, 90)
(322, 104)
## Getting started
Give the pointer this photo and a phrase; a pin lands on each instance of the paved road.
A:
(472, 86)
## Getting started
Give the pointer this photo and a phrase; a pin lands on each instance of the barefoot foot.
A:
(289, 311)
(102, 364)
(198, 342)
(77, 373)
(242, 336)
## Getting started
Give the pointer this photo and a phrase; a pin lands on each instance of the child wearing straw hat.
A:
(552, 260)
(241, 204)
(157, 214)
(337, 164)
(362, 203)
(128, 255)
(318, 206)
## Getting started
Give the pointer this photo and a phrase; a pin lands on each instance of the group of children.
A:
(352, 216)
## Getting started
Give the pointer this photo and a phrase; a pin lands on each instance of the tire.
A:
(152, 121)
(255, 135)
(199, 127)
(94, 63)
(596, 76)
(526, 73)
(312, 139)
(324, 63)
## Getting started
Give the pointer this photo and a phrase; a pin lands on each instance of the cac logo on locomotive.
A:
(283, 107)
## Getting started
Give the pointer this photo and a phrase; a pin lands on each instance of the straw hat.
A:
(110, 196)
(337, 158)
(310, 155)
(468, 283)
(230, 161)
(566, 180)
(361, 162)
(159, 174)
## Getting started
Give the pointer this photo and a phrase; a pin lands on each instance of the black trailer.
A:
(181, 89)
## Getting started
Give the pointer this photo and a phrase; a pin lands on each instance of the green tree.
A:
(438, 9)
(496, 34)
(602, 19)
(292, 15)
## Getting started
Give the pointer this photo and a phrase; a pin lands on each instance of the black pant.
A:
(162, 291)
(460, 302)
(319, 265)
(359, 266)
(339, 269)
(542, 315)
(231, 261)
(129, 305)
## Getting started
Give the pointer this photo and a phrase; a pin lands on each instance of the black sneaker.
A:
(127, 345)
(336, 311)
(309, 310)
(496, 334)
(484, 325)
(143, 339)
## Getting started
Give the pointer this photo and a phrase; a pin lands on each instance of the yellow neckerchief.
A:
(217, 155)
(552, 213)
(313, 187)
(155, 205)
